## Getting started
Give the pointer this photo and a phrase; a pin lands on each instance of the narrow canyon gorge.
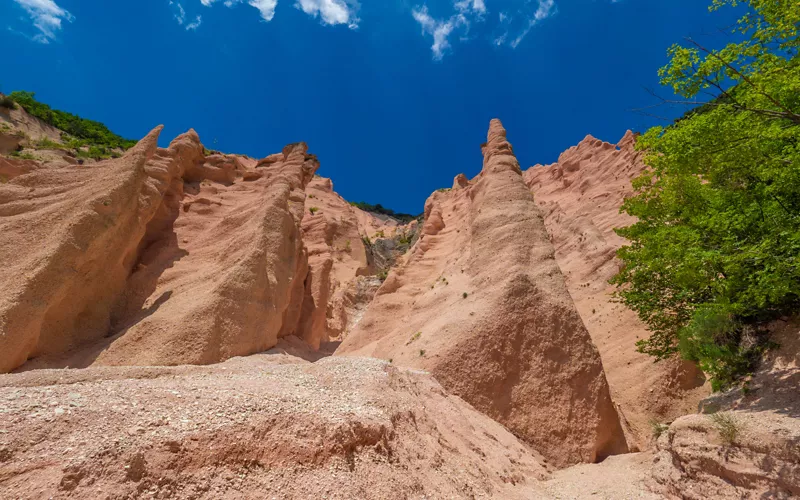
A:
(184, 323)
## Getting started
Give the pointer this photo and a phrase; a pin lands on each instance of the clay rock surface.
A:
(70, 237)
(580, 197)
(698, 457)
(337, 236)
(481, 303)
(264, 426)
(146, 260)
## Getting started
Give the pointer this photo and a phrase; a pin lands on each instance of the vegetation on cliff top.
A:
(82, 132)
(716, 251)
(379, 209)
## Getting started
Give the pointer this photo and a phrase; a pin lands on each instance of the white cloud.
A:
(332, 11)
(265, 7)
(477, 6)
(440, 30)
(329, 11)
(46, 16)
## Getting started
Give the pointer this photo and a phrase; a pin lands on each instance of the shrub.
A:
(91, 131)
(379, 209)
(716, 249)
(658, 428)
(7, 102)
(383, 275)
(313, 210)
(380, 234)
(422, 352)
(465, 295)
(727, 426)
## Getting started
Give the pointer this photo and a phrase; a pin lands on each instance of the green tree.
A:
(716, 249)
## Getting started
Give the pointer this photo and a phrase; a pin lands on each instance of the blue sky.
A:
(394, 96)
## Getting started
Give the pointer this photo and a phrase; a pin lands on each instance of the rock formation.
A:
(482, 305)
(149, 266)
(264, 426)
(748, 443)
(184, 256)
(580, 197)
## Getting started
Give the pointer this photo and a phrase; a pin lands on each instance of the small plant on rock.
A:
(727, 426)
(422, 352)
(465, 295)
(658, 428)
(313, 210)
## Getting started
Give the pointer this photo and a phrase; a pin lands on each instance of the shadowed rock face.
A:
(70, 239)
(142, 260)
(482, 304)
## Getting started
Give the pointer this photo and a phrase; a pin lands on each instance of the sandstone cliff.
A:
(580, 197)
(144, 260)
(482, 304)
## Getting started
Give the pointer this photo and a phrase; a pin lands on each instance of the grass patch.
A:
(727, 425)
(22, 156)
(657, 428)
(46, 143)
(414, 337)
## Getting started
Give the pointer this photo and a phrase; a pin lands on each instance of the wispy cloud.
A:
(438, 29)
(466, 11)
(330, 12)
(180, 17)
(508, 28)
(545, 9)
(46, 17)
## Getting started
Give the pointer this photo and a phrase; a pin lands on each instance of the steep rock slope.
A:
(70, 237)
(216, 280)
(264, 426)
(580, 197)
(482, 304)
(145, 260)
(336, 235)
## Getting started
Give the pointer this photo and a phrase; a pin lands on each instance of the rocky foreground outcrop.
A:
(264, 426)
(747, 442)
(482, 304)
(580, 197)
